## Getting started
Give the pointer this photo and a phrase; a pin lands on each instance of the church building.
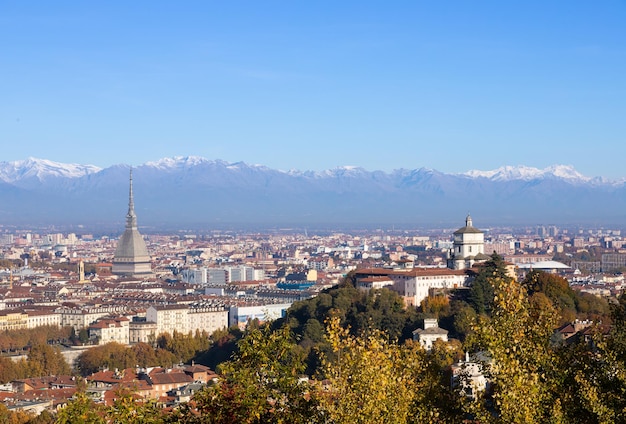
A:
(131, 255)
(468, 247)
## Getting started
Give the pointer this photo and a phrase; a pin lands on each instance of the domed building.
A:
(131, 255)
(468, 247)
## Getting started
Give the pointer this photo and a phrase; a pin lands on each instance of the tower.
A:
(131, 255)
(468, 246)
(81, 272)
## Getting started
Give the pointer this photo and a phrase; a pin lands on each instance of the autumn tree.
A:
(373, 380)
(436, 306)
(129, 408)
(13, 417)
(259, 385)
(12, 370)
(517, 339)
(44, 359)
(111, 355)
(568, 303)
(184, 346)
(81, 410)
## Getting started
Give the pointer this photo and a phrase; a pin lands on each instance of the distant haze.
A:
(187, 192)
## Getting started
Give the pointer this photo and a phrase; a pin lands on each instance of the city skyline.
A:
(452, 87)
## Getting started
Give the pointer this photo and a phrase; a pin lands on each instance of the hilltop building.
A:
(131, 255)
(430, 333)
(468, 247)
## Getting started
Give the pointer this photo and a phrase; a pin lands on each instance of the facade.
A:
(195, 276)
(80, 318)
(468, 247)
(169, 318)
(187, 318)
(41, 318)
(373, 283)
(142, 332)
(241, 315)
(110, 330)
(163, 382)
(13, 320)
(131, 255)
(207, 318)
(612, 262)
(426, 336)
(414, 285)
(217, 276)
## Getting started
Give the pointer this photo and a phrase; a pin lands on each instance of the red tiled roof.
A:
(171, 378)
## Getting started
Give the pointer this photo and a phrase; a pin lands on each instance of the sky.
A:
(313, 85)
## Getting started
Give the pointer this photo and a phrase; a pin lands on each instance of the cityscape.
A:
(313, 212)
(135, 289)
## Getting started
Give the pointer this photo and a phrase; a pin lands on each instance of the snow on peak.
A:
(527, 173)
(42, 169)
(177, 162)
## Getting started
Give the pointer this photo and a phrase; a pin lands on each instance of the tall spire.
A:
(131, 218)
(131, 255)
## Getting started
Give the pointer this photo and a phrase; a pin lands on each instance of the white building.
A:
(169, 318)
(217, 276)
(373, 283)
(80, 318)
(142, 332)
(207, 318)
(43, 317)
(187, 318)
(469, 375)
(468, 247)
(195, 276)
(414, 285)
(110, 330)
(241, 315)
(426, 336)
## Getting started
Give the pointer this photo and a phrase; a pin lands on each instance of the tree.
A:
(11, 370)
(259, 385)
(481, 293)
(146, 355)
(111, 355)
(81, 410)
(13, 417)
(517, 339)
(371, 380)
(44, 359)
(436, 306)
(128, 408)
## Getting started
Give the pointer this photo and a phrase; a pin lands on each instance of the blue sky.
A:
(314, 85)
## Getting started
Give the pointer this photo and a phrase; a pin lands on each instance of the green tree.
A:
(259, 385)
(481, 292)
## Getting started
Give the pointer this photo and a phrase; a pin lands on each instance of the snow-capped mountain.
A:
(193, 190)
(526, 173)
(42, 169)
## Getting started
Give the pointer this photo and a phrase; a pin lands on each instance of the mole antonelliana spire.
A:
(131, 256)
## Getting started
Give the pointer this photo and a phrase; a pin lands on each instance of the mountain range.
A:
(187, 192)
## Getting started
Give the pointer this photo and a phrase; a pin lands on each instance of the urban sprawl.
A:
(132, 289)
